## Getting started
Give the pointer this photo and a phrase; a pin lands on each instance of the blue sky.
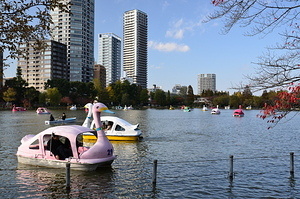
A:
(180, 46)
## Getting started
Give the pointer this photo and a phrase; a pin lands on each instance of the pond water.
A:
(192, 150)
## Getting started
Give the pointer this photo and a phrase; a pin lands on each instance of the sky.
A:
(181, 46)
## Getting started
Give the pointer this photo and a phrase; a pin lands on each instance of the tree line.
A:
(61, 92)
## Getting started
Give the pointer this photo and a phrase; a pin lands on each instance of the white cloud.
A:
(180, 27)
(168, 47)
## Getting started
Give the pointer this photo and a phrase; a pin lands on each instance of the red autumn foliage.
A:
(217, 2)
(285, 102)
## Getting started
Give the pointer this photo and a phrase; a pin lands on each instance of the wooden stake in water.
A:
(68, 175)
(292, 171)
(154, 172)
(230, 174)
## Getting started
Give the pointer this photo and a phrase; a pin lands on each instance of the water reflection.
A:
(192, 150)
(40, 182)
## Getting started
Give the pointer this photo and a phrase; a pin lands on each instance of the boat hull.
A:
(60, 121)
(92, 138)
(75, 164)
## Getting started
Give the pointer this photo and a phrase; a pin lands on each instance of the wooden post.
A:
(292, 171)
(230, 174)
(154, 172)
(68, 175)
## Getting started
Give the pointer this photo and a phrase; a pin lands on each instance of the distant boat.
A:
(42, 110)
(215, 111)
(249, 107)
(73, 108)
(238, 112)
(17, 108)
(227, 107)
(186, 109)
(204, 108)
(61, 121)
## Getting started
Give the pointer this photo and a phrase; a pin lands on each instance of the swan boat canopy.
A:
(238, 113)
(42, 110)
(61, 121)
(56, 146)
(119, 129)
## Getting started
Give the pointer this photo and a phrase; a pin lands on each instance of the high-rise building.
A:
(38, 66)
(1, 68)
(135, 54)
(206, 82)
(100, 74)
(76, 30)
(109, 55)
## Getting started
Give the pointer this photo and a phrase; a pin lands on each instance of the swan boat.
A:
(42, 110)
(18, 108)
(36, 150)
(61, 121)
(118, 129)
(238, 112)
(73, 108)
(215, 111)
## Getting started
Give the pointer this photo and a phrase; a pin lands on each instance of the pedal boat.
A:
(32, 150)
(61, 121)
(119, 129)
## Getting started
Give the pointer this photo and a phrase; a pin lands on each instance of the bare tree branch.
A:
(280, 66)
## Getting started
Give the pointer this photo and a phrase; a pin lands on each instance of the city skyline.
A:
(180, 46)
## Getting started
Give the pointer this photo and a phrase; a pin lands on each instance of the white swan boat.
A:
(215, 111)
(42, 110)
(118, 129)
(40, 149)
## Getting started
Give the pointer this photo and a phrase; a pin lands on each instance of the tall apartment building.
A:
(135, 54)
(206, 82)
(1, 68)
(100, 73)
(109, 55)
(76, 30)
(39, 66)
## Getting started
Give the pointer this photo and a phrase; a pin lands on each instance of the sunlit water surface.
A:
(192, 149)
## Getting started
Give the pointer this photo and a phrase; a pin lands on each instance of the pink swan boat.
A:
(40, 149)
(238, 112)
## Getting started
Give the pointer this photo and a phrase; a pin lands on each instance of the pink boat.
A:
(43, 149)
(18, 108)
(238, 112)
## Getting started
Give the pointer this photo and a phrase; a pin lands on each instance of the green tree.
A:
(24, 21)
(190, 96)
(63, 85)
(144, 97)
(10, 95)
(32, 96)
(160, 97)
(19, 85)
(222, 100)
(53, 96)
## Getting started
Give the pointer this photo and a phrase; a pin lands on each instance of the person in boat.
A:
(63, 117)
(109, 125)
(60, 150)
(51, 117)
